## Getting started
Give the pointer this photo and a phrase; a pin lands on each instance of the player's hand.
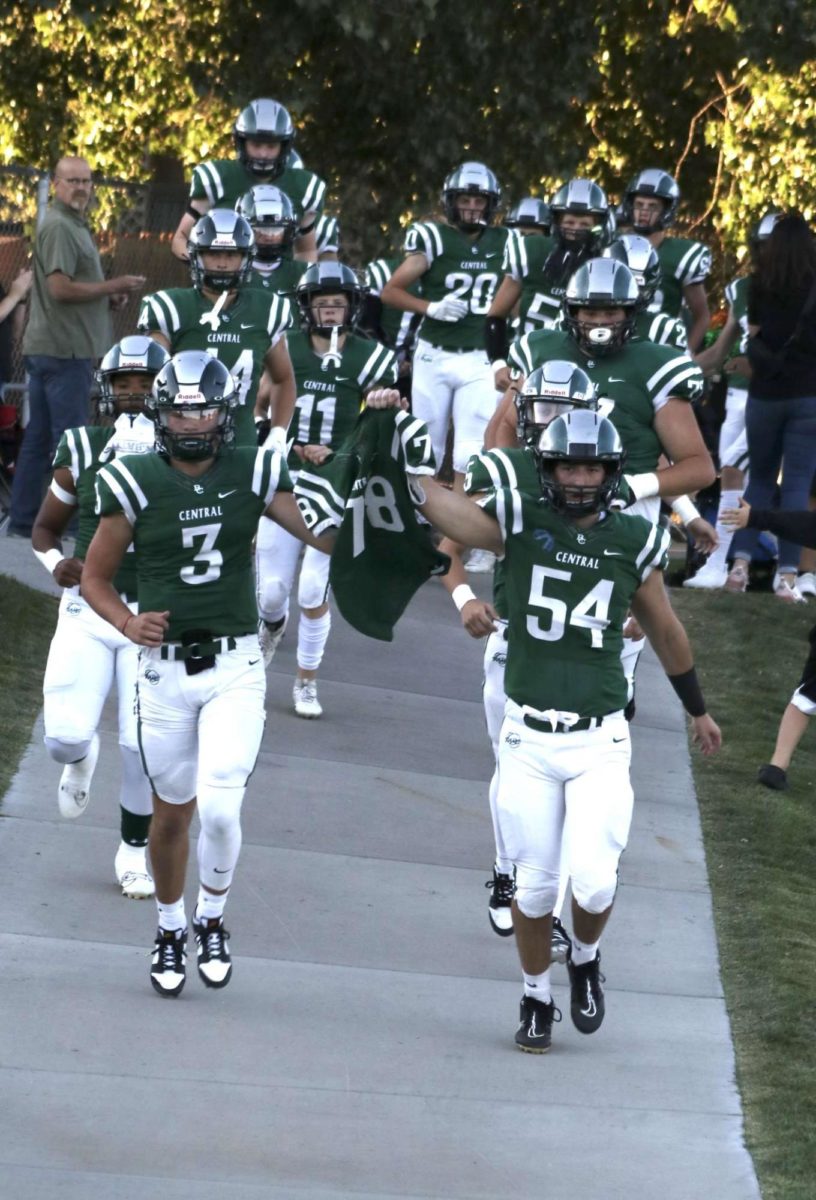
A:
(316, 454)
(385, 398)
(705, 535)
(736, 518)
(479, 618)
(275, 438)
(449, 308)
(706, 734)
(632, 630)
(68, 573)
(147, 628)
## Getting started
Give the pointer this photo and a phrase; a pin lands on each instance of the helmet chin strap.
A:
(332, 357)
(213, 317)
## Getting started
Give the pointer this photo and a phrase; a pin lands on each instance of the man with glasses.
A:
(69, 329)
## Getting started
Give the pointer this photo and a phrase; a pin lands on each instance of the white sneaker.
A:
(269, 635)
(132, 874)
(806, 584)
(304, 694)
(75, 783)
(480, 562)
(710, 575)
(788, 592)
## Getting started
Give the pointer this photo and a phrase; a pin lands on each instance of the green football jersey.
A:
(634, 383)
(193, 536)
(281, 277)
(330, 393)
(84, 451)
(736, 295)
(223, 181)
(568, 593)
(681, 262)
(661, 328)
(246, 330)
(467, 268)
(540, 300)
(395, 324)
(327, 234)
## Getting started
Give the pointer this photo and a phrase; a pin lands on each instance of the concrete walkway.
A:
(365, 1045)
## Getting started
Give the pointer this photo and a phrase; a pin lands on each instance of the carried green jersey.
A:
(330, 390)
(681, 262)
(223, 181)
(193, 536)
(84, 451)
(634, 384)
(281, 277)
(661, 328)
(394, 323)
(461, 266)
(245, 331)
(736, 295)
(568, 593)
(540, 301)
(327, 235)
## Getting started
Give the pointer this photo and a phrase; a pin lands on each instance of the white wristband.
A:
(644, 486)
(685, 509)
(462, 594)
(50, 559)
(498, 364)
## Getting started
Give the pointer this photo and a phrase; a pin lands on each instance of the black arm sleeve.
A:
(799, 527)
(497, 342)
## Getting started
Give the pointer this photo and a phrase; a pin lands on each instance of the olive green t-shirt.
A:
(67, 330)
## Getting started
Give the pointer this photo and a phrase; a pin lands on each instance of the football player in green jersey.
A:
(334, 369)
(191, 512)
(536, 272)
(274, 226)
(86, 653)
(263, 134)
(649, 207)
(391, 326)
(458, 263)
(225, 317)
(531, 217)
(573, 568)
(640, 256)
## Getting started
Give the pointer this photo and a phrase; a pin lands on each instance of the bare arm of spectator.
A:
(69, 291)
(18, 290)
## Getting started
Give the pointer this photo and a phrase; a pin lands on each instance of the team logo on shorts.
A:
(73, 608)
(513, 739)
(152, 676)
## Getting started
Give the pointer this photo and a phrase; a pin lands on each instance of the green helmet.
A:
(135, 355)
(549, 391)
(601, 283)
(580, 437)
(640, 256)
(221, 229)
(470, 179)
(193, 382)
(529, 214)
(659, 184)
(269, 210)
(582, 197)
(264, 121)
(325, 278)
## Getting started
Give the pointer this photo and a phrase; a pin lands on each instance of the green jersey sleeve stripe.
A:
(280, 316)
(520, 356)
(211, 181)
(368, 372)
(200, 186)
(648, 549)
(416, 444)
(731, 293)
(655, 552)
(426, 243)
(320, 490)
(265, 474)
(676, 363)
(510, 471)
(159, 312)
(124, 488)
(692, 371)
(314, 195)
(378, 275)
(478, 476)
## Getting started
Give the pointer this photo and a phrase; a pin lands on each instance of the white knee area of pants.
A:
(273, 598)
(313, 633)
(135, 795)
(594, 895)
(219, 843)
(536, 891)
(313, 584)
(800, 701)
(63, 751)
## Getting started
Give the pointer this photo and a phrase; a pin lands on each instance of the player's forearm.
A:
(102, 596)
(397, 297)
(456, 575)
(501, 428)
(698, 331)
(459, 518)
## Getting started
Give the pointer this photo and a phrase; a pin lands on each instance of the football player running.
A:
(649, 207)
(191, 511)
(573, 568)
(86, 653)
(640, 256)
(334, 369)
(222, 315)
(263, 135)
(272, 219)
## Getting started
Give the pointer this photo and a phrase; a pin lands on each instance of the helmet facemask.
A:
(580, 438)
(197, 386)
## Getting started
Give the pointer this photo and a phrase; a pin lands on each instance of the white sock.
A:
(172, 916)
(729, 499)
(538, 986)
(210, 907)
(583, 952)
(313, 633)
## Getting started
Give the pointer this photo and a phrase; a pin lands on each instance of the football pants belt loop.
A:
(175, 652)
(551, 720)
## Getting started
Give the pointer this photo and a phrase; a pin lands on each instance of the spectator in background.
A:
(69, 329)
(781, 410)
(11, 321)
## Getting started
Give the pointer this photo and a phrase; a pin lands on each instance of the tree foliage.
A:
(389, 96)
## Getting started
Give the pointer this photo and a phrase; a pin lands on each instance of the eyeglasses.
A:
(75, 180)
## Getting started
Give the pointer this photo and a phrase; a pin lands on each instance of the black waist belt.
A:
(581, 725)
(175, 652)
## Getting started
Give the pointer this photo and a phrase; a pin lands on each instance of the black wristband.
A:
(194, 213)
(688, 689)
(497, 342)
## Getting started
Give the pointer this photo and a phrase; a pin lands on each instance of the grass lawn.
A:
(761, 854)
(27, 619)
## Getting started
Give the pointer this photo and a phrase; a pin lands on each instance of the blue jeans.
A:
(59, 392)
(781, 433)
